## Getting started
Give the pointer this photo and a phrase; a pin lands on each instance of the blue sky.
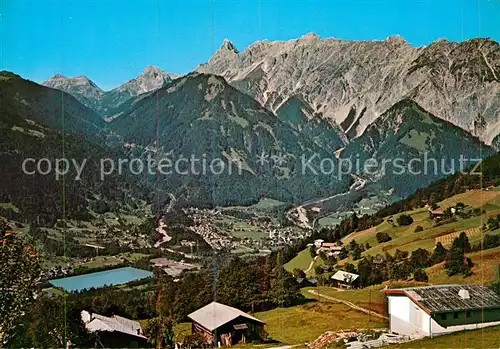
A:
(112, 41)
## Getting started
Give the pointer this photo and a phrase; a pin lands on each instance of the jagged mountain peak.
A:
(397, 39)
(150, 79)
(153, 71)
(310, 37)
(81, 87)
(85, 80)
(228, 45)
(59, 80)
(44, 105)
(58, 76)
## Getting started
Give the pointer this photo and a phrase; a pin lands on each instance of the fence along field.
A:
(448, 238)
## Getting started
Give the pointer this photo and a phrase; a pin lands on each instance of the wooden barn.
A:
(227, 325)
(115, 331)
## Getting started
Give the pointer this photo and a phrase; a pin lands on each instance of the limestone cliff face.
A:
(354, 82)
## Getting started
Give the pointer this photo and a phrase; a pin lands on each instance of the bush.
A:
(420, 275)
(419, 228)
(496, 288)
(491, 241)
(405, 219)
(383, 237)
(195, 340)
(100, 207)
(312, 251)
(298, 273)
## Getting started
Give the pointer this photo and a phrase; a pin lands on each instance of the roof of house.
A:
(114, 323)
(311, 281)
(446, 298)
(344, 276)
(331, 244)
(214, 315)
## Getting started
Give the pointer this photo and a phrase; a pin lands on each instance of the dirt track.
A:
(349, 304)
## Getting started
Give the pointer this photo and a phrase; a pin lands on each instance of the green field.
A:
(302, 261)
(267, 204)
(329, 221)
(181, 330)
(371, 298)
(305, 323)
(405, 238)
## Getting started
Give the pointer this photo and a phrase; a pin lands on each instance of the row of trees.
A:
(17, 281)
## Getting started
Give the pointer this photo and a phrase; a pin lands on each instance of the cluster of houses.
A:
(285, 236)
(329, 248)
(56, 272)
(219, 234)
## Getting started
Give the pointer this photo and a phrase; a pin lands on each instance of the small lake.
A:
(101, 278)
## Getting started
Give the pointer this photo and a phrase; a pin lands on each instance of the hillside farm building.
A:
(318, 243)
(227, 325)
(345, 279)
(330, 249)
(437, 214)
(115, 331)
(437, 310)
(304, 282)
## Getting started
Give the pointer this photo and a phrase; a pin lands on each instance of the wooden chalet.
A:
(225, 325)
(345, 279)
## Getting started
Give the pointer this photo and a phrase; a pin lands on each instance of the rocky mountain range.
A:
(270, 107)
(103, 102)
(354, 82)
